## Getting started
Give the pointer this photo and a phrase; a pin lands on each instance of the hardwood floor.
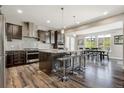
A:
(30, 76)
(106, 75)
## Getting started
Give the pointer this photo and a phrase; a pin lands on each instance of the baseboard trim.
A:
(116, 58)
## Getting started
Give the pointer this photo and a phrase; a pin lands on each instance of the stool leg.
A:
(64, 78)
(72, 65)
(84, 65)
(64, 68)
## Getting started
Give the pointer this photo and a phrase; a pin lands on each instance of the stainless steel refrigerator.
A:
(2, 51)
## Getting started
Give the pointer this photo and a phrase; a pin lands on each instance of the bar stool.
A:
(79, 68)
(64, 60)
(84, 55)
(73, 56)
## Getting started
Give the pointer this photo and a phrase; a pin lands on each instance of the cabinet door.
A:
(17, 32)
(9, 59)
(19, 58)
(9, 28)
(42, 36)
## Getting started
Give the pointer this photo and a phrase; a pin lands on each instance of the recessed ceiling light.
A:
(48, 21)
(105, 13)
(64, 26)
(77, 22)
(19, 11)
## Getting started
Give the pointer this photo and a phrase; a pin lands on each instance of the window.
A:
(104, 41)
(90, 42)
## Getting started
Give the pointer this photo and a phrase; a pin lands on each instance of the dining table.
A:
(99, 51)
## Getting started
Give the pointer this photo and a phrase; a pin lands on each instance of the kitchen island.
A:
(48, 57)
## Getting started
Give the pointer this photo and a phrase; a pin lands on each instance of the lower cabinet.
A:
(9, 58)
(15, 58)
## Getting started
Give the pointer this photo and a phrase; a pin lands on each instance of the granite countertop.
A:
(52, 50)
(16, 50)
(58, 51)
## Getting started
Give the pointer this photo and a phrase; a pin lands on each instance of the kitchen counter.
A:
(48, 57)
(58, 51)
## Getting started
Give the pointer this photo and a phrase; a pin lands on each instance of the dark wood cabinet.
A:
(41, 36)
(17, 32)
(45, 63)
(15, 58)
(9, 58)
(9, 31)
(13, 31)
(19, 57)
(59, 39)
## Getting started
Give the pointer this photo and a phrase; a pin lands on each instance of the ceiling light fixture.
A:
(48, 21)
(105, 13)
(74, 19)
(77, 22)
(19, 11)
(62, 30)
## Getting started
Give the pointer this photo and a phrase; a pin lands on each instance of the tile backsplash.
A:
(16, 44)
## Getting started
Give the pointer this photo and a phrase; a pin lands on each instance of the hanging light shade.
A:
(74, 34)
(62, 30)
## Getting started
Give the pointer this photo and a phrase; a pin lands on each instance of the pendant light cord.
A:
(74, 19)
(62, 18)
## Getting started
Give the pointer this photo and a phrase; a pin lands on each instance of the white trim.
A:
(116, 58)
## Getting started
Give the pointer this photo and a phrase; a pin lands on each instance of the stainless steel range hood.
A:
(29, 30)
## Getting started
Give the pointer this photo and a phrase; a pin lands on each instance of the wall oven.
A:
(32, 55)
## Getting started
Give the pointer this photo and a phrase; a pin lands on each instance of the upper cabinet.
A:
(9, 28)
(13, 31)
(44, 36)
(29, 29)
(41, 36)
(17, 32)
(58, 39)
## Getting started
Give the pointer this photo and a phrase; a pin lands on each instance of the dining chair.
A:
(106, 54)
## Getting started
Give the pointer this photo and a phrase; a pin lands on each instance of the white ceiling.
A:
(41, 13)
(103, 28)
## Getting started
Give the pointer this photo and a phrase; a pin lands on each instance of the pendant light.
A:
(62, 30)
(74, 17)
